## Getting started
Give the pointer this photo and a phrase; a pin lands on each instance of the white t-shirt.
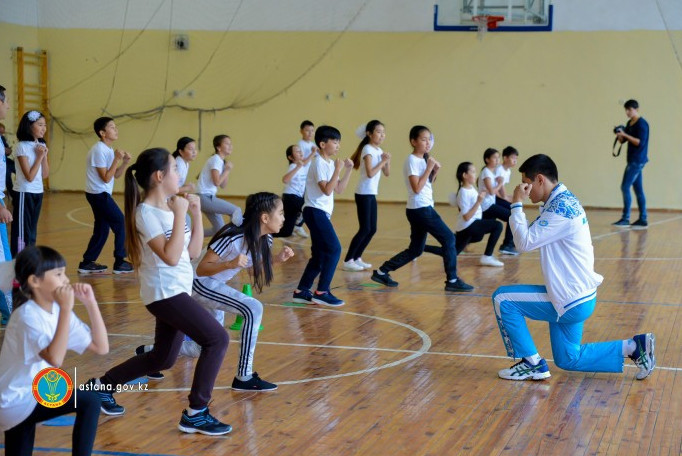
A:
(489, 199)
(158, 279)
(466, 199)
(369, 185)
(416, 166)
(27, 149)
(306, 148)
(3, 169)
(29, 331)
(505, 173)
(183, 169)
(320, 170)
(205, 186)
(100, 156)
(296, 185)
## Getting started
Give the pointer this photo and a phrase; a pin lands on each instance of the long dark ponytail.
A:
(256, 244)
(139, 174)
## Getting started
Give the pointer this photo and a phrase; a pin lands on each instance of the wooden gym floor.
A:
(406, 371)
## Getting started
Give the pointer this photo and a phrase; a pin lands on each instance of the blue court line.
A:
(103, 452)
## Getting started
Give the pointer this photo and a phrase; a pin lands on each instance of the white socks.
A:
(192, 412)
(533, 359)
(629, 347)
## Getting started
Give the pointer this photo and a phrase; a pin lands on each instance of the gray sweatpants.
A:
(214, 208)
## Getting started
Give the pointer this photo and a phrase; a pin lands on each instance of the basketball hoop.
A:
(485, 23)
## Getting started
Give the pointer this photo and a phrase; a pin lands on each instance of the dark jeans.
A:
(107, 216)
(367, 218)
(471, 234)
(632, 177)
(501, 212)
(325, 250)
(423, 221)
(25, 214)
(292, 208)
(176, 317)
(19, 440)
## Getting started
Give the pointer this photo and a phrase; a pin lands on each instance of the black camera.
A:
(618, 129)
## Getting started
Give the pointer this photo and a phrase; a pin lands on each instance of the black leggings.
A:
(293, 205)
(20, 439)
(471, 234)
(367, 218)
(501, 212)
(175, 317)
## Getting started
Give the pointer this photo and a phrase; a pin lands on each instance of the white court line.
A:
(69, 215)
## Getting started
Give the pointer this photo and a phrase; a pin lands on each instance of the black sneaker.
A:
(123, 267)
(203, 423)
(622, 223)
(91, 267)
(640, 224)
(458, 285)
(303, 297)
(384, 279)
(109, 405)
(255, 384)
(154, 375)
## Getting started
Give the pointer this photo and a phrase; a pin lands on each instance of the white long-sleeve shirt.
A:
(562, 234)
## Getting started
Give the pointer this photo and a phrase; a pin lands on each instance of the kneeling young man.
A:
(569, 295)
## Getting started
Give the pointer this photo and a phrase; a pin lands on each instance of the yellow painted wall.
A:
(559, 93)
(11, 37)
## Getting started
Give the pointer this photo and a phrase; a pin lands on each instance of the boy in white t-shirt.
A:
(322, 182)
(103, 165)
(307, 143)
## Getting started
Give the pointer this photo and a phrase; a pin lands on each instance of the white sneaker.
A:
(351, 266)
(362, 264)
(489, 260)
(301, 232)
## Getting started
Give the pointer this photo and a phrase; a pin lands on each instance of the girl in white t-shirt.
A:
(373, 162)
(185, 153)
(214, 174)
(491, 184)
(160, 245)
(292, 196)
(32, 168)
(471, 227)
(41, 329)
(420, 170)
(232, 249)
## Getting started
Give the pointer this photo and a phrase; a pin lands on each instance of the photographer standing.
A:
(636, 133)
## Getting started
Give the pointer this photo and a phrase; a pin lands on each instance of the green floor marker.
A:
(237, 325)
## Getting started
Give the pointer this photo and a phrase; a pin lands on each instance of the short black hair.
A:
(306, 123)
(2, 93)
(509, 150)
(540, 164)
(325, 133)
(101, 124)
(631, 104)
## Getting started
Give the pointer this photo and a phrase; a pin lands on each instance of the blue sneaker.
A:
(327, 299)
(303, 296)
(523, 370)
(203, 423)
(644, 357)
